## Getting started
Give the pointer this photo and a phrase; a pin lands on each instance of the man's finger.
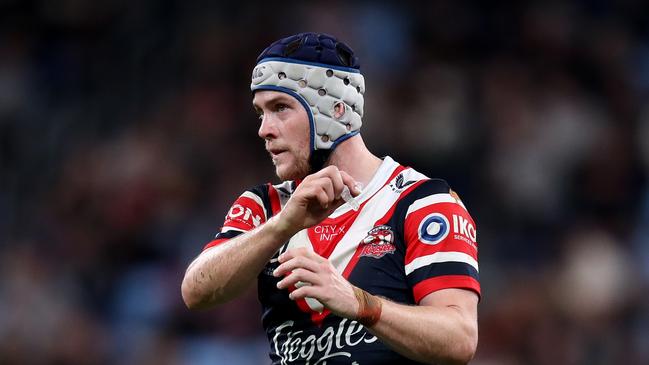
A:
(334, 174)
(294, 263)
(336, 180)
(299, 275)
(324, 199)
(327, 185)
(300, 251)
(303, 292)
(352, 184)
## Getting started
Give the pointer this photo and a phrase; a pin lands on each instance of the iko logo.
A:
(433, 229)
(463, 229)
(244, 215)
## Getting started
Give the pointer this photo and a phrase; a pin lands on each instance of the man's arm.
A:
(222, 272)
(442, 329)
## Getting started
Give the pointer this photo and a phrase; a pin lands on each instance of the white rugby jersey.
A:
(411, 236)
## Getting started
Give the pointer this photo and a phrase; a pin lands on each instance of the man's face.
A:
(285, 128)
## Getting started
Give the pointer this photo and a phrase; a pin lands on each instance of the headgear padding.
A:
(320, 73)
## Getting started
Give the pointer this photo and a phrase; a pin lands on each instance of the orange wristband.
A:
(369, 308)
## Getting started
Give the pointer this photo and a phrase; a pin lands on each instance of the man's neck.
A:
(353, 157)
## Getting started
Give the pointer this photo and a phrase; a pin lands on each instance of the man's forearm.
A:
(437, 335)
(222, 272)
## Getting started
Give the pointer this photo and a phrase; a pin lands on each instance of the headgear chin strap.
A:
(321, 73)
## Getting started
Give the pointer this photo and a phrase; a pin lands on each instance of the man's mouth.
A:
(276, 151)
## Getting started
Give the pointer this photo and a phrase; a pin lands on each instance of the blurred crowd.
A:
(126, 131)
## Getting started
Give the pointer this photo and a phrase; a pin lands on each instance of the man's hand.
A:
(317, 196)
(326, 284)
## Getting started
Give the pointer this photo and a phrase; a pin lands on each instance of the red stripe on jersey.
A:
(274, 199)
(354, 260)
(215, 243)
(316, 317)
(425, 287)
(325, 235)
(245, 214)
(326, 249)
(460, 237)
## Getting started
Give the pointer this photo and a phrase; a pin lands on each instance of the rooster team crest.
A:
(378, 242)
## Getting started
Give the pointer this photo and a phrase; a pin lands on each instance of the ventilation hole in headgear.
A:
(354, 107)
(301, 83)
(330, 73)
(346, 81)
(322, 92)
(318, 48)
(325, 138)
(349, 127)
(358, 88)
(281, 75)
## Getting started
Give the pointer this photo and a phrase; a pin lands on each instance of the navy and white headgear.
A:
(321, 73)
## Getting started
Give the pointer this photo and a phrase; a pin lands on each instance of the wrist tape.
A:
(369, 308)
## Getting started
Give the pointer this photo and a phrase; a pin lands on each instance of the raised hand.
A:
(317, 196)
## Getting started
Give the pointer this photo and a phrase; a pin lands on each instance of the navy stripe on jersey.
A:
(262, 192)
(426, 188)
(444, 265)
(227, 235)
(443, 269)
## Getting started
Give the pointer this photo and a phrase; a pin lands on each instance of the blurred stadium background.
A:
(126, 131)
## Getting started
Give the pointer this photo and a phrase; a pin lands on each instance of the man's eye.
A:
(260, 116)
(281, 107)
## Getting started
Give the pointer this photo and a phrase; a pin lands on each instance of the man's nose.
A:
(267, 128)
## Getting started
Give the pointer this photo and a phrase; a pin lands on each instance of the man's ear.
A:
(339, 110)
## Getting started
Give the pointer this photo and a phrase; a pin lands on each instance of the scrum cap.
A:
(321, 73)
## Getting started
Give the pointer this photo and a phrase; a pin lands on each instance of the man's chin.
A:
(289, 174)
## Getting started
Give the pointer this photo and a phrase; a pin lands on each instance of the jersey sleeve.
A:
(250, 210)
(441, 245)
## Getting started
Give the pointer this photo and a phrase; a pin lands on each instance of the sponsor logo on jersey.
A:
(297, 347)
(433, 229)
(400, 184)
(378, 242)
(328, 232)
(464, 230)
(244, 215)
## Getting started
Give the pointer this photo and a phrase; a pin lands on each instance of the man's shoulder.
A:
(272, 197)
(416, 188)
(412, 182)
